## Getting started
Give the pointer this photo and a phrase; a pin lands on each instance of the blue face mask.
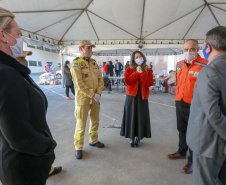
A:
(206, 55)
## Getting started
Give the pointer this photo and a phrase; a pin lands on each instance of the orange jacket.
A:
(186, 78)
(46, 68)
(132, 79)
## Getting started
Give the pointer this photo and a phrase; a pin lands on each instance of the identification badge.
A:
(191, 72)
(86, 75)
(75, 65)
(196, 74)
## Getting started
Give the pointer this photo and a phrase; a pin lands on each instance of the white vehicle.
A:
(59, 74)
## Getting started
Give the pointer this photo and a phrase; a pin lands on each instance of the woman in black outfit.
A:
(26, 144)
(111, 70)
(68, 80)
(136, 119)
(127, 65)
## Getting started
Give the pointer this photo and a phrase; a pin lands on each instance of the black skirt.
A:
(136, 119)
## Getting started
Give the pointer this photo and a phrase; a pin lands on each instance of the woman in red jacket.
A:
(105, 69)
(136, 119)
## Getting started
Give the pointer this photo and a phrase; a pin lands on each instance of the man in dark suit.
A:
(118, 69)
(206, 132)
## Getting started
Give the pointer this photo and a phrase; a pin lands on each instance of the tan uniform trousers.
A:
(81, 114)
(51, 170)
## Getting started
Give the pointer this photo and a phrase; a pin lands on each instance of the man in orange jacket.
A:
(187, 72)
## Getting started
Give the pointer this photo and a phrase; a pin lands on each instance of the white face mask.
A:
(139, 61)
(17, 49)
(189, 56)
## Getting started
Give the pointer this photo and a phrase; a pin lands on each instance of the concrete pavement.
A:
(117, 163)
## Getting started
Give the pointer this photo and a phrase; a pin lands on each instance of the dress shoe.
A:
(137, 142)
(56, 171)
(188, 168)
(176, 156)
(98, 144)
(68, 98)
(78, 154)
(131, 143)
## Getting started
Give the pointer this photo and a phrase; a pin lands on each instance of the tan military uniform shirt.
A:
(87, 78)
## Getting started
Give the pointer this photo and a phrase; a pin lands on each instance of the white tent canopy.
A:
(118, 26)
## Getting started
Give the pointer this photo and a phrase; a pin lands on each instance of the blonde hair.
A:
(5, 19)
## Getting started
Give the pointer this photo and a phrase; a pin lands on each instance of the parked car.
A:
(59, 74)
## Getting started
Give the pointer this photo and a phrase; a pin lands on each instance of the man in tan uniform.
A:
(89, 85)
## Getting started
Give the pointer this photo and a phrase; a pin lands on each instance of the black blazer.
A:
(26, 144)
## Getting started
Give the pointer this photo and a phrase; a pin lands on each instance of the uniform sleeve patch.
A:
(196, 74)
(178, 69)
(75, 65)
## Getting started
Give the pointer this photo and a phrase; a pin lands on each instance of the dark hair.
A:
(133, 64)
(216, 37)
(170, 71)
(104, 63)
(110, 62)
(66, 63)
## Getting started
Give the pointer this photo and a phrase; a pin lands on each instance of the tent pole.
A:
(62, 65)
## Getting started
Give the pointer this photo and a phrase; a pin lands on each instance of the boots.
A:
(137, 142)
(131, 143)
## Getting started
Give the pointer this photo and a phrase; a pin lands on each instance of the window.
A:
(39, 63)
(53, 50)
(47, 49)
(30, 46)
(40, 48)
(49, 63)
(74, 55)
(32, 63)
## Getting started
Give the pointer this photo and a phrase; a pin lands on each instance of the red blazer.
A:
(132, 80)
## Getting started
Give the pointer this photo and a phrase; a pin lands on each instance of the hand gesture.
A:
(139, 69)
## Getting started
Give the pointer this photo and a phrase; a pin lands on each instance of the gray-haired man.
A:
(206, 132)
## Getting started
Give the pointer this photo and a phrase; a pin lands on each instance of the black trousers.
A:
(182, 112)
(70, 87)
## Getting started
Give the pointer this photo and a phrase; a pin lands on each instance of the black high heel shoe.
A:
(131, 143)
(137, 142)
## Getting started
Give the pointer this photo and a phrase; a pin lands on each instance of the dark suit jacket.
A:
(26, 144)
(206, 133)
(120, 67)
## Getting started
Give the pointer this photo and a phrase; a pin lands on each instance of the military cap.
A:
(86, 43)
